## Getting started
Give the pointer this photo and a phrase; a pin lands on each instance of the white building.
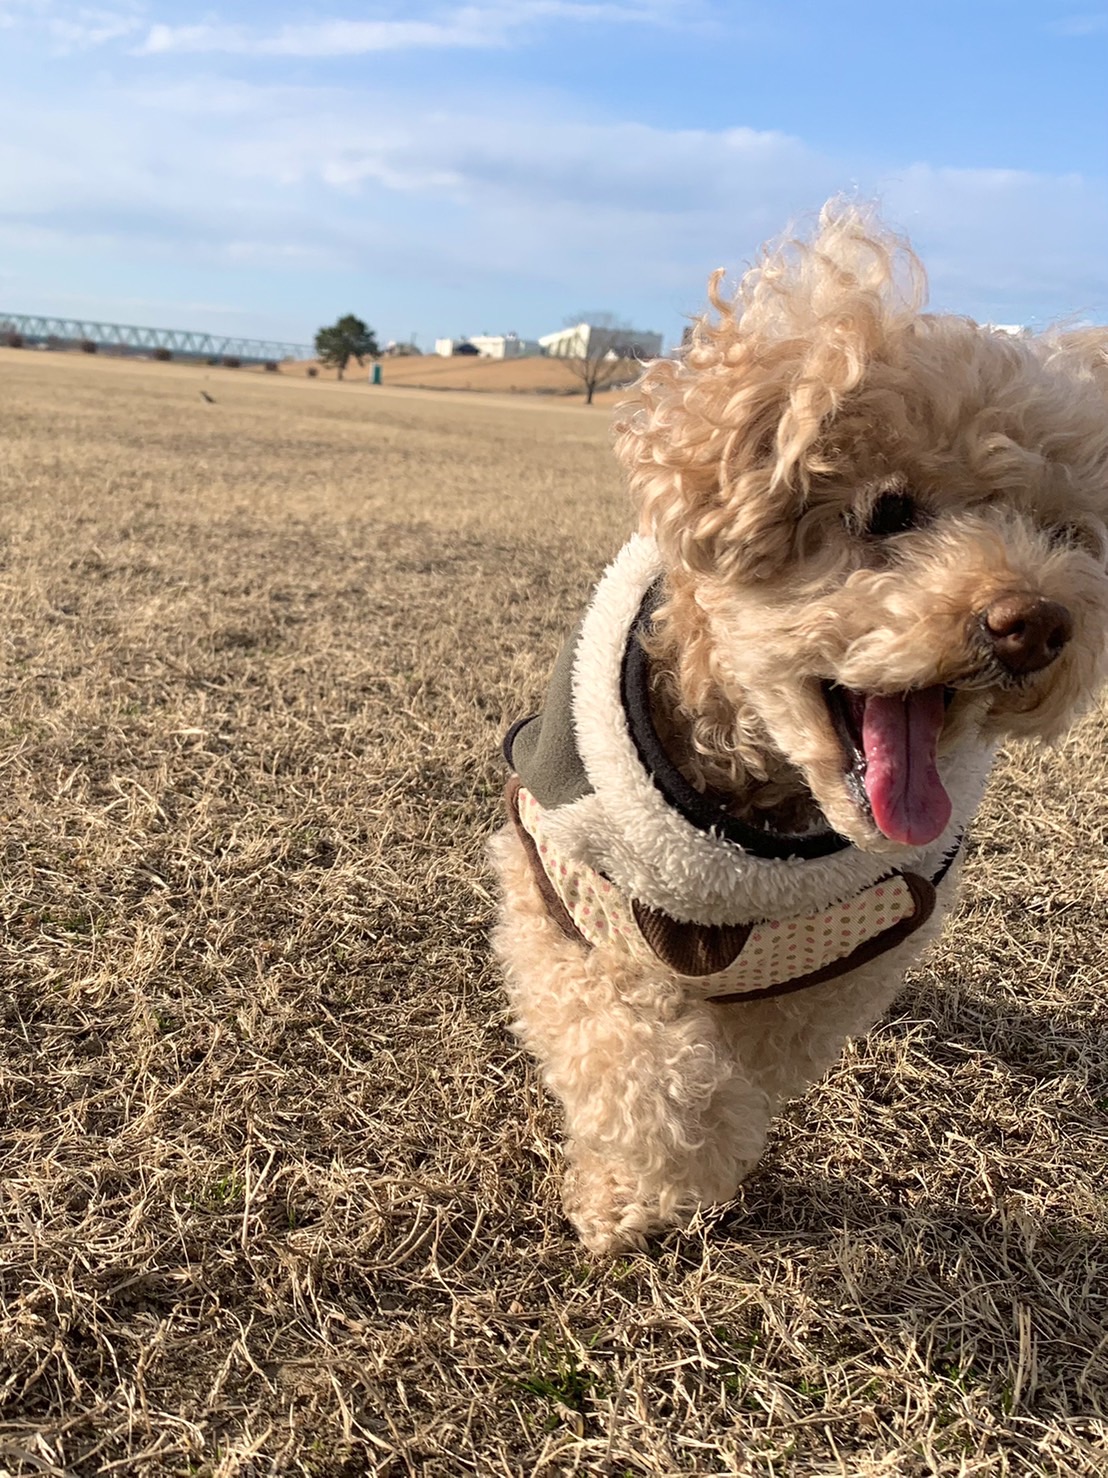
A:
(505, 346)
(580, 339)
(492, 346)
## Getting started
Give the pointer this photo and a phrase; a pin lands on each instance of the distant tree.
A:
(600, 354)
(348, 339)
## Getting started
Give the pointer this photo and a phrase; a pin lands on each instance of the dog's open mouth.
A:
(890, 744)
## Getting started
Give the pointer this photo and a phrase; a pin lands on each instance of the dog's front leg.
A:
(668, 1129)
(659, 1118)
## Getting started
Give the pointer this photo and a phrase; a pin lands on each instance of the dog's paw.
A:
(609, 1239)
(604, 1210)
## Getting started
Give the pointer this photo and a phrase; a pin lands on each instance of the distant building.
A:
(577, 342)
(505, 346)
(490, 346)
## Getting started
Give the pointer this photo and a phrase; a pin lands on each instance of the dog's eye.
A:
(892, 513)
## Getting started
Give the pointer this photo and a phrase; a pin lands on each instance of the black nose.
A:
(1026, 632)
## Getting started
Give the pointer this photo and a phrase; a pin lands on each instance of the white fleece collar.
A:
(629, 832)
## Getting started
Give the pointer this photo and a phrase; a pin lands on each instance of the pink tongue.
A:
(900, 736)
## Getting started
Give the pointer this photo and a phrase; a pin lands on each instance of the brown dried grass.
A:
(535, 375)
(278, 1191)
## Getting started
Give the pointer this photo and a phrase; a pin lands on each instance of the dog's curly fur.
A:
(757, 459)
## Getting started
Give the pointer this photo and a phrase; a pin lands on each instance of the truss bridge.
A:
(125, 338)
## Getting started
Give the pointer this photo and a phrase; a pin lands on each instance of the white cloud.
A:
(1094, 24)
(89, 27)
(501, 196)
(16, 12)
(73, 27)
(326, 38)
(1009, 236)
(470, 26)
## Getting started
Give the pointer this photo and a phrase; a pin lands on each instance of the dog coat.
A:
(629, 855)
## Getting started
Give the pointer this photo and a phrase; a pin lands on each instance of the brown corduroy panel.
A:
(690, 949)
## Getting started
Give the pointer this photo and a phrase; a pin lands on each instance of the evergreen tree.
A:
(345, 340)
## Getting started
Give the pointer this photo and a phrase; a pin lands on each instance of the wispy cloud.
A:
(508, 194)
(1089, 24)
(15, 12)
(89, 27)
(470, 26)
(1008, 243)
(73, 27)
(479, 187)
(326, 38)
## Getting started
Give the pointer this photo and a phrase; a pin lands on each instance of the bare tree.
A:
(601, 353)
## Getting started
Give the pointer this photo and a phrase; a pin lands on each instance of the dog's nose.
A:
(1026, 632)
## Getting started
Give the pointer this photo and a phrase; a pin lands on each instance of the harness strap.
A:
(772, 958)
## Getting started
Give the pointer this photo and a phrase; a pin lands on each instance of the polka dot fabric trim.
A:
(600, 911)
(776, 951)
(783, 949)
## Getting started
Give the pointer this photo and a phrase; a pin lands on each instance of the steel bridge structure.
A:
(126, 338)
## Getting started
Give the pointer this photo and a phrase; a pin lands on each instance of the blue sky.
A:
(503, 164)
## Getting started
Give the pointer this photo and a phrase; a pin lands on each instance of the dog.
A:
(872, 546)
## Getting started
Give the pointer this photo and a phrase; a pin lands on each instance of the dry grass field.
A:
(468, 372)
(534, 376)
(277, 1189)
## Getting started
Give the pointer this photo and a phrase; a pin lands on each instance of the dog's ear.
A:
(700, 444)
(722, 444)
(1085, 352)
(1079, 360)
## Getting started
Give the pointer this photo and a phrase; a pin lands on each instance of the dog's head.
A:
(884, 531)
